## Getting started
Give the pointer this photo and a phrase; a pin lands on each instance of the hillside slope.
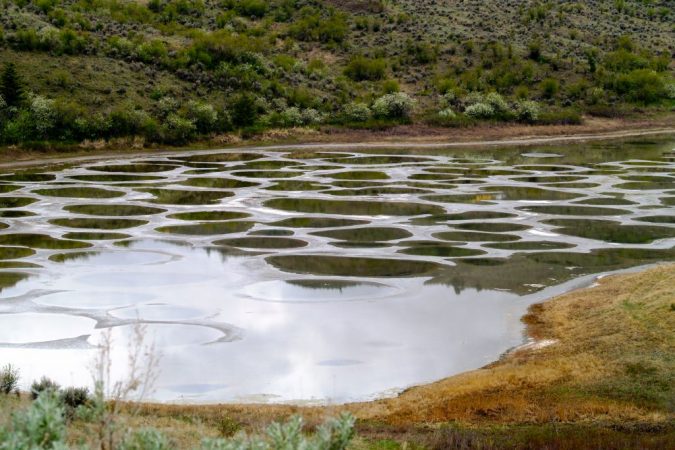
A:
(173, 70)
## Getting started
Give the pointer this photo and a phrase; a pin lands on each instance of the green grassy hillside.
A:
(172, 71)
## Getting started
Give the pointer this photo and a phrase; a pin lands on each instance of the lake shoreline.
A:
(531, 386)
(410, 136)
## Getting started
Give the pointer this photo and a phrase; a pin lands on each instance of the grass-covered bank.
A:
(605, 381)
(477, 136)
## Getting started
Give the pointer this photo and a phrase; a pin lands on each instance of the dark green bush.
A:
(642, 86)
(244, 110)
(11, 85)
(562, 117)
(361, 68)
(313, 26)
(74, 397)
(45, 384)
(550, 87)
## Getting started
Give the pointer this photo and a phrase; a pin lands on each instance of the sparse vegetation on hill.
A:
(171, 71)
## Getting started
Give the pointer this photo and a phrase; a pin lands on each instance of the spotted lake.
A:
(315, 274)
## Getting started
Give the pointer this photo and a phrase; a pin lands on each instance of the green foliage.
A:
(550, 87)
(421, 52)
(9, 379)
(527, 111)
(356, 112)
(75, 397)
(146, 439)
(361, 68)
(394, 106)
(11, 86)
(45, 384)
(42, 426)
(244, 110)
(315, 26)
(335, 434)
(480, 111)
(248, 8)
(642, 85)
(390, 86)
(562, 117)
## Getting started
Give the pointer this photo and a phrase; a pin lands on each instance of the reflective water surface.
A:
(327, 276)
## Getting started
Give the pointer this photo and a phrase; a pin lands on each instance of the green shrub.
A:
(291, 117)
(244, 110)
(311, 116)
(248, 8)
(335, 434)
(527, 111)
(11, 85)
(446, 114)
(203, 115)
(361, 68)
(421, 52)
(498, 104)
(152, 52)
(356, 112)
(562, 117)
(43, 115)
(643, 86)
(146, 439)
(534, 50)
(74, 397)
(480, 111)
(45, 384)
(41, 426)
(390, 86)
(394, 106)
(178, 130)
(9, 379)
(313, 26)
(623, 60)
(549, 87)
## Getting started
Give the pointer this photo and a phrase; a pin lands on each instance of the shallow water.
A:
(313, 275)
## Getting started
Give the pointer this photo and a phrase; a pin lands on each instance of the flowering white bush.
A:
(396, 105)
(497, 103)
(291, 117)
(357, 112)
(527, 111)
(43, 112)
(204, 115)
(474, 97)
(670, 91)
(446, 113)
(311, 116)
(49, 37)
(180, 129)
(479, 111)
(167, 105)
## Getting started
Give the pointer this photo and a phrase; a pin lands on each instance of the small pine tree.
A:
(11, 86)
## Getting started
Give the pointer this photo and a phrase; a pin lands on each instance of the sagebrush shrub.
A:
(398, 105)
(480, 111)
(527, 111)
(357, 112)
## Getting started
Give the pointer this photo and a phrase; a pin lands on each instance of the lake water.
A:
(318, 274)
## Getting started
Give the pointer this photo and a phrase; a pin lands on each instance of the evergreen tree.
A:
(11, 86)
